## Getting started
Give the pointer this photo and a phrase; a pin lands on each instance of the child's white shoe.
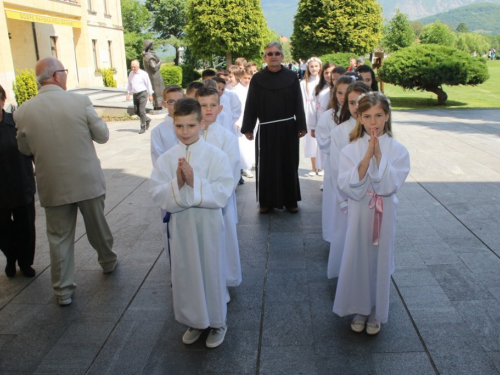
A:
(191, 335)
(216, 337)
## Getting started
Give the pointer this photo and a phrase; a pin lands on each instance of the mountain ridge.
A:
(279, 13)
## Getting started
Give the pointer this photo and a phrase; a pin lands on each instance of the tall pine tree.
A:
(325, 26)
(226, 28)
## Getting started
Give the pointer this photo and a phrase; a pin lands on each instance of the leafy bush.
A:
(428, 67)
(342, 58)
(172, 75)
(107, 77)
(189, 74)
(25, 86)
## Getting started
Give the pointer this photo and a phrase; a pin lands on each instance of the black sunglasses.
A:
(269, 54)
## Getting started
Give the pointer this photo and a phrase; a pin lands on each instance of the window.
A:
(94, 51)
(53, 46)
(110, 53)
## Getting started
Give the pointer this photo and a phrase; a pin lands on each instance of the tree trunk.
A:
(442, 96)
(229, 59)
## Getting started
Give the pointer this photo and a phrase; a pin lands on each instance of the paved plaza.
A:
(444, 315)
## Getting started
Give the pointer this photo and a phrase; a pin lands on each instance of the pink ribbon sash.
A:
(376, 203)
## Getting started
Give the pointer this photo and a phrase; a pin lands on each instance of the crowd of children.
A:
(199, 157)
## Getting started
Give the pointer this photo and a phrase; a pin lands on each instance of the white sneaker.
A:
(216, 337)
(247, 173)
(228, 296)
(65, 302)
(321, 173)
(321, 187)
(191, 335)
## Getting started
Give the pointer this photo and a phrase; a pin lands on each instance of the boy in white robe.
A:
(163, 135)
(193, 181)
(222, 138)
(163, 138)
(372, 169)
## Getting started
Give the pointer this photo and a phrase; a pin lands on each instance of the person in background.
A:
(139, 85)
(17, 199)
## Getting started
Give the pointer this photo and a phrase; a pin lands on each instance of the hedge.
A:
(172, 75)
(25, 86)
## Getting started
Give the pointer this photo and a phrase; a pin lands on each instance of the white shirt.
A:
(138, 82)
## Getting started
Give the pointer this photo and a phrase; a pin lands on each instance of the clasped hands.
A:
(184, 173)
(372, 150)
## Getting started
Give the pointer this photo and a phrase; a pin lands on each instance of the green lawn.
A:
(486, 95)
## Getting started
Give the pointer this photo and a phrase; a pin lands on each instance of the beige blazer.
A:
(58, 128)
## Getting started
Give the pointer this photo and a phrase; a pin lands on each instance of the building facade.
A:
(86, 35)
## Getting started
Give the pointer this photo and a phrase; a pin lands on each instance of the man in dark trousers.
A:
(139, 85)
(274, 98)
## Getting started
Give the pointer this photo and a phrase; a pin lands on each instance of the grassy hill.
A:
(482, 17)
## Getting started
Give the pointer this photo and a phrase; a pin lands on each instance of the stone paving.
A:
(445, 300)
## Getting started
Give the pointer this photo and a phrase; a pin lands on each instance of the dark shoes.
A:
(264, 210)
(293, 210)
(147, 124)
(10, 269)
(142, 131)
(28, 271)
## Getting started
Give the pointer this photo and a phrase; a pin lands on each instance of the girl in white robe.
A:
(307, 87)
(323, 129)
(322, 98)
(336, 211)
(372, 169)
(247, 148)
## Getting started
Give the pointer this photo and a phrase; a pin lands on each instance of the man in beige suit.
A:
(58, 128)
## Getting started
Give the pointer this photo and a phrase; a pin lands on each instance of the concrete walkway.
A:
(445, 298)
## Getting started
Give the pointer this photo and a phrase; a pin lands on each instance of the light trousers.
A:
(61, 225)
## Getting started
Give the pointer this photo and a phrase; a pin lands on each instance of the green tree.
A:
(326, 26)
(397, 33)
(135, 19)
(417, 27)
(470, 42)
(168, 21)
(428, 67)
(462, 28)
(226, 28)
(437, 33)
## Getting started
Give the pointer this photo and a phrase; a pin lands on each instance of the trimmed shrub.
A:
(25, 86)
(342, 58)
(107, 77)
(172, 75)
(189, 74)
(428, 67)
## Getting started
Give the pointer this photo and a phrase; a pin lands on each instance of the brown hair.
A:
(366, 102)
(186, 107)
(333, 103)
(359, 87)
(3, 95)
(207, 91)
(172, 88)
(322, 81)
(219, 80)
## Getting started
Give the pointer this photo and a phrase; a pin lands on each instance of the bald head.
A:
(48, 71)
